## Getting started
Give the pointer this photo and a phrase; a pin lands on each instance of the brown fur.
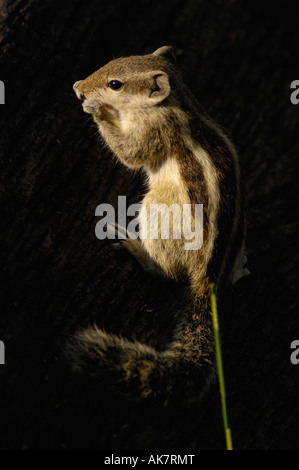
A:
(155, 123)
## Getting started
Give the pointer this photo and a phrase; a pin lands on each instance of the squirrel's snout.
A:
(75, 88)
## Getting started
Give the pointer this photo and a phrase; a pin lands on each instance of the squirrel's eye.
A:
(115, 84)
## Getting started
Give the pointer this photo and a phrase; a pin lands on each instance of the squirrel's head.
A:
(127, 84)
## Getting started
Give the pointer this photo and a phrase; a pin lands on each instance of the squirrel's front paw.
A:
(91, 106)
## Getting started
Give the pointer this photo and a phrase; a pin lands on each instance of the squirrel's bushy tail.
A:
(184, 370)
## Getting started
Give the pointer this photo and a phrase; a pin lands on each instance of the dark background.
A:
(239, 58)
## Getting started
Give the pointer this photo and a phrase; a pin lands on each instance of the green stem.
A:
(227, 432)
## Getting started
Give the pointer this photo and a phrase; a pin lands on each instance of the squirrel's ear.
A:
(160, 88)
(166, 52)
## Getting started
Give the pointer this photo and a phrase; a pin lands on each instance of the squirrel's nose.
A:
(75, 86)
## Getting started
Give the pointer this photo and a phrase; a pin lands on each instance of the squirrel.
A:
(150, 120)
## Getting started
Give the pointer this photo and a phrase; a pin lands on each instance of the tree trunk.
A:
(239, 58)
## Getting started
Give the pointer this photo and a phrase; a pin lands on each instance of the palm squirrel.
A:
(150, 120)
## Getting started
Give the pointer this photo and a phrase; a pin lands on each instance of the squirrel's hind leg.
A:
(136, 248)
(134, 245)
